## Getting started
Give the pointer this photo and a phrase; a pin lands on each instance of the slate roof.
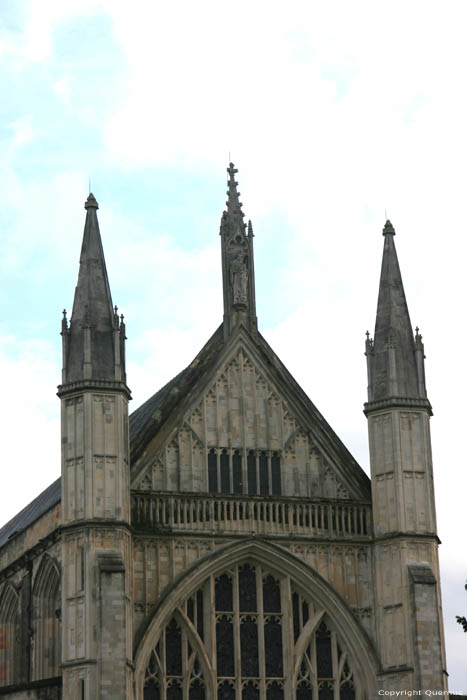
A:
(150, 417)
(40, 505)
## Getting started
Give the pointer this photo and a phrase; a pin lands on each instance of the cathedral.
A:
(221, 543)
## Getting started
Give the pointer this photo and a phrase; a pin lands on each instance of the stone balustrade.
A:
(248, 514)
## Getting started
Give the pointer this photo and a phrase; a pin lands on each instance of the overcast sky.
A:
(337, 114)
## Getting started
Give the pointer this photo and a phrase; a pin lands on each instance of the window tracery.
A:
(250, 635)
(257, 472)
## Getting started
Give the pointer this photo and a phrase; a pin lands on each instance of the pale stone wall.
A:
(96, 546)
(242, 411)
(400, 455)
(159, 560)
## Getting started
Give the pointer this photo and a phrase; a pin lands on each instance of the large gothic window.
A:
(248, 635)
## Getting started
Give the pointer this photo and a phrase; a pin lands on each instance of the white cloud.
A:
(30, 421)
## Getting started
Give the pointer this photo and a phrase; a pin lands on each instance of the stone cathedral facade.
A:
(221, 543)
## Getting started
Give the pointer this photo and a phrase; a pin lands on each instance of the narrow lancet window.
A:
(212, 471)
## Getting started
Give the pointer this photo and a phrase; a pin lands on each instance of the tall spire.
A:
(395, 358)
(237, 262)
(94, 341)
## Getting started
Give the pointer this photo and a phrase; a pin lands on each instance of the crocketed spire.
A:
(93, 347)
(394, 356)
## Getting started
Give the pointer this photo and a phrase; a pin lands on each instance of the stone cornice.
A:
(397, 402)
(407, 536)
(102, 385)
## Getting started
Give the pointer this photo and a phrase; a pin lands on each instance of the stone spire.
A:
(237, 262)
(94, 341)
(395, 358)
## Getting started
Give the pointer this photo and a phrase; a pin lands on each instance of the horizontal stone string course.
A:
(247, 514)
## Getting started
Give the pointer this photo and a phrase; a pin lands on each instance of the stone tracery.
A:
(261, 639)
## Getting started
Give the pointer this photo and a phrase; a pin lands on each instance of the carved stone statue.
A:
(239, 280)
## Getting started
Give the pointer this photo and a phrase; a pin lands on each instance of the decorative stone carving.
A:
(239, 280)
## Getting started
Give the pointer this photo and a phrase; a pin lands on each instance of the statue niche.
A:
(239, 280)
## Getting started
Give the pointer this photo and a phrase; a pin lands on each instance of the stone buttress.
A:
(96, 541)
(408, 615)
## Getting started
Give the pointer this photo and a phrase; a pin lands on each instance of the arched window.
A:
(249, 634)
(9, 636)
(46, 620)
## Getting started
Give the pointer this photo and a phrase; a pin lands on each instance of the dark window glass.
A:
(296, 618)
(224, 646)
(225, 476)
(274, 692)
(251, 466)
(247, 588)
(152, 691)
(323, 652)
(237, 472)
(225, 691)
(304, 692)
(224, 600)
(271, 595)
(200, 614)
(326, 692)
(212, 470)
(173, 649)
(250, 692)
(273, 648)
(174, 691)
(197, 691)
(263, 474)
(347, 691)
(276, 474)
(249, 647)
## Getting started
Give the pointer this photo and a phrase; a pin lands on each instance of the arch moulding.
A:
(281, 563)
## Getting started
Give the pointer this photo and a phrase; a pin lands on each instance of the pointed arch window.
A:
(46, 620)
(235, 638)
(9, 636)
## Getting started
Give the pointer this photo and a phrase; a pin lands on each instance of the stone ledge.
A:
(421, 573)
(55, 682)
(101, 385)
(397, 402)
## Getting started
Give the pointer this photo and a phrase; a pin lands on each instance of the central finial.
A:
(91, 202)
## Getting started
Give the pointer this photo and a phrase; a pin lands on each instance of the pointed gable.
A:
(241, 424)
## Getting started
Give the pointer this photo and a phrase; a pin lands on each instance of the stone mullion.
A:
(185, 669)
(288, 643)
(163, 665)
(335, 665)
(236, 626)
(314, 664)
(210, 630)
(260, 629)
